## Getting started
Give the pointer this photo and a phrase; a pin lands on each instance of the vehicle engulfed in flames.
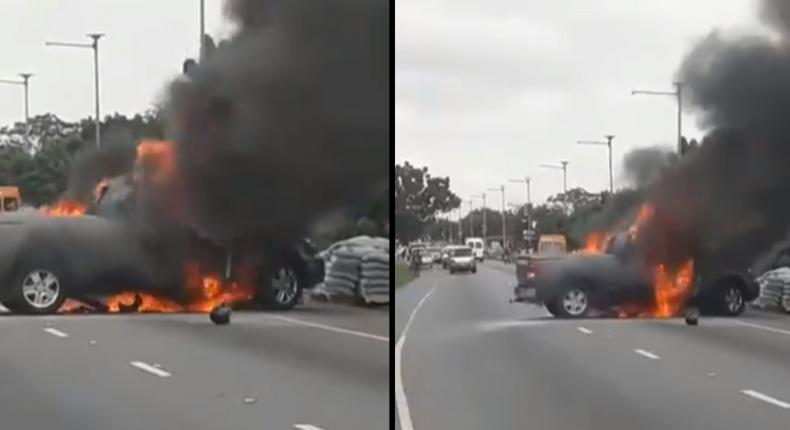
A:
(618, 274)
(133, 250)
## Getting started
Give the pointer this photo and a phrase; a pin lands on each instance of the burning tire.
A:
(572, 302)
(283, 290)
(39, 287)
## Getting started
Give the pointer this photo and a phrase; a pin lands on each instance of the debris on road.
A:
(220, 315)
(692, 316)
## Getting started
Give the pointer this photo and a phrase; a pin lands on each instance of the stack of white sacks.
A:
(359, 267)
(774, 288)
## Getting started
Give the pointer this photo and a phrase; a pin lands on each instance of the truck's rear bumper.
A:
(526, 294)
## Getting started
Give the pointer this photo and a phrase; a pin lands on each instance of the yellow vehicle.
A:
(10, 199)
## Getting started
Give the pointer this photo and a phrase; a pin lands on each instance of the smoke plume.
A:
(644, 166)
(95, 164)
(288, 119)
(729, 199)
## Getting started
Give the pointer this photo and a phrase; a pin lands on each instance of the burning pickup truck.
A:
(121, 254)
(615, 279)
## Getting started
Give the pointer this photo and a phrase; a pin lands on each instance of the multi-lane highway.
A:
(470, 360)
(321, 367)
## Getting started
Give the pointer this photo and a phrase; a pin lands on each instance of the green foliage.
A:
(419, 197)
(41, 166)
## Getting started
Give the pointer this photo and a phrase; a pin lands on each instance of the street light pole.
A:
(504, 218)
(485, 222)
(564, 167)
(608, 143)
(678, 94)
(202, 27)
(24, 82)
(471, 224)
(95, 46)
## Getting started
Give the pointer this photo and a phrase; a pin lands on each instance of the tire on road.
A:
(572, 301)
(39, 285)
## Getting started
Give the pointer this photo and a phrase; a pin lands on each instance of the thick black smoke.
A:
(727, 201)
(645, 166)
(95, 164)
(288, 119)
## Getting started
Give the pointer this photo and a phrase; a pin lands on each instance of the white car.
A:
(462, 259)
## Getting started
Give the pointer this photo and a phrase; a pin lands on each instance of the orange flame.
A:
(596, 242)
(64, 208)
(646, 212)
(207, 292)
(672, 289)
(157, 159)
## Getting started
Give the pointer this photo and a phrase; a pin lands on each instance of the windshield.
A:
(462, 252)
(550, 247)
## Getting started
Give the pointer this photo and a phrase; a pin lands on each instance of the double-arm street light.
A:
(502, 190)
(678, 94)
(24, 82)
(527, 180)
(607, 143)
(564, 167)
(95, 46)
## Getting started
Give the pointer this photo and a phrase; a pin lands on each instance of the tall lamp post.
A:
(485, 222)
(562, 166)
(95, 47)
(504, 219)
(24, 82)
(608, 144)
(678, 94)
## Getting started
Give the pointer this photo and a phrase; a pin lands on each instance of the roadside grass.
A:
(402, 274)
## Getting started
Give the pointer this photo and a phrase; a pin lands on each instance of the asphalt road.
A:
(321, 367)
(471, 360)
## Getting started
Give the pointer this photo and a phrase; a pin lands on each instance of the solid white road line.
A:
(306, 427)
(400, 395)
(762, 327)
(150, 369)
(760, 396)
(584, 330)
(647, 354)
(330, 328)
(56, 332)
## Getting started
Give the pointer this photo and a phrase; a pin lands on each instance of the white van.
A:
(476, 244)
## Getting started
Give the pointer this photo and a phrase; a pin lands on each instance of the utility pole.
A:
(485, 224)
(678, 94)
(202, 28)
(471, 224)
(504, 218)
(564, 167)
(24, 82)
(608, 144)
(95, 46)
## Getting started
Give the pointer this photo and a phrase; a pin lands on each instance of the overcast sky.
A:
(146, 43)
(487, 91)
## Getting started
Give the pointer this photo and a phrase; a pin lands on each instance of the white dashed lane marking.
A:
(56, 332)
(766, 398)
(647, 354)
(306, 427)
(150, 369)
(584, 330)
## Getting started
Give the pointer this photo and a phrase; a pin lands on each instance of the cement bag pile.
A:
(774, 289)
(359, 267)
